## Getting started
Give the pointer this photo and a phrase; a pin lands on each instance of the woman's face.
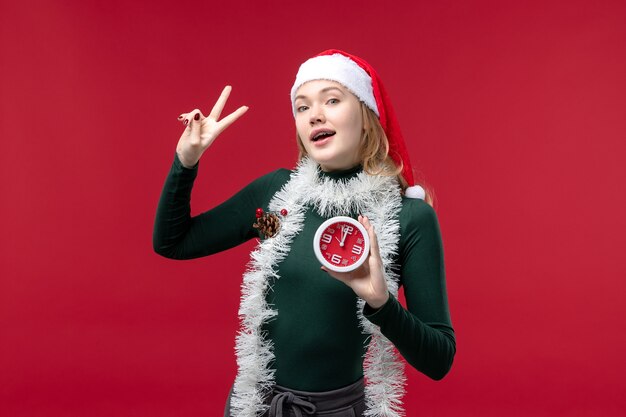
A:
(330, 124)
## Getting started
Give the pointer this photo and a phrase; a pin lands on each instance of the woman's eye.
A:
(301, 109)
(333, 101)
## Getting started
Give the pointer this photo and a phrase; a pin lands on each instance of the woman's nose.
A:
(317, 115)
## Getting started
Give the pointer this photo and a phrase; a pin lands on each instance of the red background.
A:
(515, 112)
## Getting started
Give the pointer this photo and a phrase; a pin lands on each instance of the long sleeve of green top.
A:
(318, 343)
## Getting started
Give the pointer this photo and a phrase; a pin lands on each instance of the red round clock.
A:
(341, 244)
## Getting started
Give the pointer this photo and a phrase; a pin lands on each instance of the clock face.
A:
(341, 244)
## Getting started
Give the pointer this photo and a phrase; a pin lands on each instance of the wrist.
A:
(377, 303)
(185, 163)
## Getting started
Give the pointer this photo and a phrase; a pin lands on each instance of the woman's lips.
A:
(323, 141)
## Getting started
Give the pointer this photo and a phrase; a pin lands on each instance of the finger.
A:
(228, 120)
(219, 105)
(195, 120)
(184, 118)
(372, 235)
(195, 116)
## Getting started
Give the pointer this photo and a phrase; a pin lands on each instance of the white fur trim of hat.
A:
(337, 68)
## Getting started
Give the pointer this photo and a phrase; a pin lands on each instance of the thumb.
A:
(365, 221)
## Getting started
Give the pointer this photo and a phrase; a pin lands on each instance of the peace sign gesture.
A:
(201, 131)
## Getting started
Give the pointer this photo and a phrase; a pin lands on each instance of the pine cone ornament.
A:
(267, 223)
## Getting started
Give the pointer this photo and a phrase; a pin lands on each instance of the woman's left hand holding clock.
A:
(367, 281)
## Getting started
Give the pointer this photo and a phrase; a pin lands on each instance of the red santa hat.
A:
(360, 78)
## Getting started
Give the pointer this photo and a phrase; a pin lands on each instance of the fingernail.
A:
(180, 117)
(186, 122)
(197, 116)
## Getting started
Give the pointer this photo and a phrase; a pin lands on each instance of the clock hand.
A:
(344, 234)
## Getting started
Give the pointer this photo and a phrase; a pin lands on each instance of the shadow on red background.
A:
(514, 113)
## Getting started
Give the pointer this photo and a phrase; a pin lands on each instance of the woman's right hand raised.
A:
(201, 131)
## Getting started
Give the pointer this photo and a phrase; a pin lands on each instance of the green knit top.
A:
(318, 343)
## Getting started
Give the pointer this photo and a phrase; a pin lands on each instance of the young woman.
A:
(315, 341)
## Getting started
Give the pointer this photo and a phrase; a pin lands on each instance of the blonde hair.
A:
(374, 152)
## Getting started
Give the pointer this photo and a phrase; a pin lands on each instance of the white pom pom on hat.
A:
(415, 191)
(360, 78)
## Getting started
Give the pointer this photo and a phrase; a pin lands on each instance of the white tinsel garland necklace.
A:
(378, 198)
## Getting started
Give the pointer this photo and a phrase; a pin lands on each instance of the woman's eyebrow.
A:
(323, 90)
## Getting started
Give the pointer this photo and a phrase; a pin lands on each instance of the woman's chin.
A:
(329, 161)
(320, 159)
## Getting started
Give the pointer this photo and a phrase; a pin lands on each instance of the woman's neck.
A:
(341, 173)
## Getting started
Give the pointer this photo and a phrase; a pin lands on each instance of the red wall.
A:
(515, 113)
